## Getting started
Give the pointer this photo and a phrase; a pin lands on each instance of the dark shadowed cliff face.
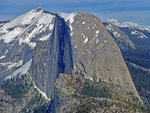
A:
(52, 57)
(60, 48)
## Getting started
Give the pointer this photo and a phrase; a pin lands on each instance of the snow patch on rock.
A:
(139, 34)
(83, 35)
(45, 37)
(97, 32)
(83, 22)
(68, 17)
(22, 70)
(15, 64)
(97, 41)
(32, 45)
(10, 36)
(86, 40)
(3, 56)
(116, 34)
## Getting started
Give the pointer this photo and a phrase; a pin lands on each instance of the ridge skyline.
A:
(124, 10)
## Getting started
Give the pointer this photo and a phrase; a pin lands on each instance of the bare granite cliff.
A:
(96, 54)
(38, 46)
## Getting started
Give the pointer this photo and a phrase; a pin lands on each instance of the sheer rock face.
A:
(62, 43)
(52, 57)
(96, 54)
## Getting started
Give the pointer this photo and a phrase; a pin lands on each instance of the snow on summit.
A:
(23, 19)
(29, 24)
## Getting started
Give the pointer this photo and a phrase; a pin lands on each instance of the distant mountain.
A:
(134, 31)
(57, 62)
(132, 26)
(134, 42)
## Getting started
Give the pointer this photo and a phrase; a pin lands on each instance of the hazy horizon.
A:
(136, 11)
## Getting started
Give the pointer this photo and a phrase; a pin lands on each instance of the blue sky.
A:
(124, 10)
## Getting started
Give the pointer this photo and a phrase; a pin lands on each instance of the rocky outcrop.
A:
(76, 94)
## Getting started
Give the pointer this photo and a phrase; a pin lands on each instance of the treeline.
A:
(139, 56)
(141, 80)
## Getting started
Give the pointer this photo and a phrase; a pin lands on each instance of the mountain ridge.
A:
(126, 24)
(77, 43)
